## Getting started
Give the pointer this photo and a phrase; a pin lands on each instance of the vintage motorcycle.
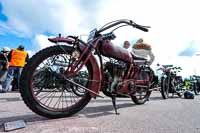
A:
(195, 84)
(170, 81)
(60, 80)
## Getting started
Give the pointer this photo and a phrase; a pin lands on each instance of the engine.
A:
(113, 73)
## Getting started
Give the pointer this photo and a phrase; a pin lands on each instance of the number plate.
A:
(8, 126)
(91, 35)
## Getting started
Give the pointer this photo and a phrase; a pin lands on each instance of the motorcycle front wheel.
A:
(43, 88)
(165, 84)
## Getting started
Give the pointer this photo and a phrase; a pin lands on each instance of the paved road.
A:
(156, 116)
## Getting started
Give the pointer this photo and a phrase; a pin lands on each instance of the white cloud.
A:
(41, 41)
(4, 28)
(30, 53)
(174, 22)
(33, 17)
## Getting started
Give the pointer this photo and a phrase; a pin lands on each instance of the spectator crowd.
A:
(11, 65)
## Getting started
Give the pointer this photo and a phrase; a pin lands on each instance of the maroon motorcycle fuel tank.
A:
(108, 49)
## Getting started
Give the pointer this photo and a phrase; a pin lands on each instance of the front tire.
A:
(51, 86)
(165, 86)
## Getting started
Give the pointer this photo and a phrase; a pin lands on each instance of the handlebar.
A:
(128, 22)
(109, 36)
(170, 68)
(141, 28)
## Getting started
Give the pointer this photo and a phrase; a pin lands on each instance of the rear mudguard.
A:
(97, 76)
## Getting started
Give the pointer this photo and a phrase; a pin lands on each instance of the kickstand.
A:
(114, 103)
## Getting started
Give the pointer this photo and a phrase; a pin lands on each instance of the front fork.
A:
(78, 61)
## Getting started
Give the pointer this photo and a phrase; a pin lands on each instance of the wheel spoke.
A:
(47, 77)
(51, 97)
(65, 99)
(44, 96)
(45, 89)
(58, 101)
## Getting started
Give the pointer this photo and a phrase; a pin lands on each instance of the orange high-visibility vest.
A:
(18, 58)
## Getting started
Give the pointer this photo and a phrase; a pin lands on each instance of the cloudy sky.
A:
(174, 36)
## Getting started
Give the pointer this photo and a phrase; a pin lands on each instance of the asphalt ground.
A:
(174, 115)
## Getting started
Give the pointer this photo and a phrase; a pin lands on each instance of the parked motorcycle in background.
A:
(170, 82)
(195, 84)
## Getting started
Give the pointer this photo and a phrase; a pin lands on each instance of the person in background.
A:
(3, 63)
(17, 59)
(142, 49)
(5, 50)
(126, 44)
(3, 58)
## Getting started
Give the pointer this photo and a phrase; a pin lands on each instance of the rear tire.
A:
(196, 89)
(142, 100)
(32, 100)
(142, 94)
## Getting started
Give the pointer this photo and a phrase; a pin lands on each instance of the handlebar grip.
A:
(141, 28)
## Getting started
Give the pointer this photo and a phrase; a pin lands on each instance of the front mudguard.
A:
(97, 76)
(96, 73)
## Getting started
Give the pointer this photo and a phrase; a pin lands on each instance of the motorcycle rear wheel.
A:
(142, 94)
(60, 97)
(196, 89)
(141, 98)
